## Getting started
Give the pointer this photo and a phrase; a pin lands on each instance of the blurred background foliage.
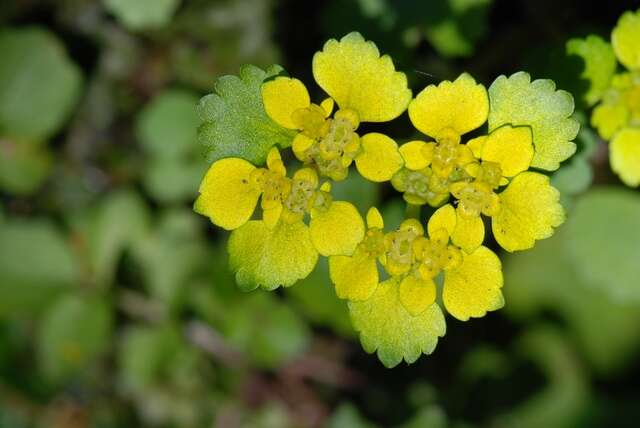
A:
(117, 308)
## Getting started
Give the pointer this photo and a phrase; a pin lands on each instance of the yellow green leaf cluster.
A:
(397, 282)
(616, 95)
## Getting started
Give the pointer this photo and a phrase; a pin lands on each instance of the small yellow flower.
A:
(399, 317)
(280, 248)
(476, 172)
(617, 116)
(366, 88)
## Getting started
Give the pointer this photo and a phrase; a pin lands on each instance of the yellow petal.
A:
(625, 40)
(469, 233)
(413, 154)
(461, 105)
(387, 327)
(281, 97)
(444, 218)
(379, 159)
(476, 145)
(625, 156)
(530, 210)
(609, 118)
(338, 231)
(227, 195)
(511, 147)
(352, 72)
(301, 143)
(271, 257)
(274, 162)
(307, 174)
(374, 219)
(473, 288)
(327, 106)
(355, 277)
(416, 295)
(270, 216)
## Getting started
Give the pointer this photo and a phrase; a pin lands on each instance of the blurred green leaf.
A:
(603, 242)
(167, 126)
(39, 85)
(146, 354)
(114, 225)
(544, 278)
(170, 256)
(599, 64)
(142, 14)
(171, 181)
(267, 330)
(36, 263)
(234, 120)
(565, 398)
(347, 415)
(23, 166)
(457, 26)
(357, 190)
(73, 332)
(431, 416)
(316, 297)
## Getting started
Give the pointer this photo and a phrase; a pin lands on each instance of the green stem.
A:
(412, 211)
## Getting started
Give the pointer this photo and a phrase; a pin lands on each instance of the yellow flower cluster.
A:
(394, 280)
(617, 116)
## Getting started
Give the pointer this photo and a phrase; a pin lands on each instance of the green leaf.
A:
(145, 353)
(234, 120)
(167, 126)
(111, 227)
(356, 189)
(347, 415)
(171, 255)
(606, 331)
(142, 14)
(386, 326)
(73, 333)
(39, 85)
(518, 101)
(36, 264)
(23, 166)
(173, 180)
(599, 64)
(603, 242)
(567, 395)
(268, 331)
(458, 29)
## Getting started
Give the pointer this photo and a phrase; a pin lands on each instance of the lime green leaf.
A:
(624, 38)
(142, 14)
(36, 264)
(271, 258)
(167, 126)
(234, 120)
(23, 166)
(565, 398)
(73, 332)
(518, 101)
(268, 331)
(317, 300)
(603, 241)
(39, 85)
(606, 331)
(599, 64)
(386, 326)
